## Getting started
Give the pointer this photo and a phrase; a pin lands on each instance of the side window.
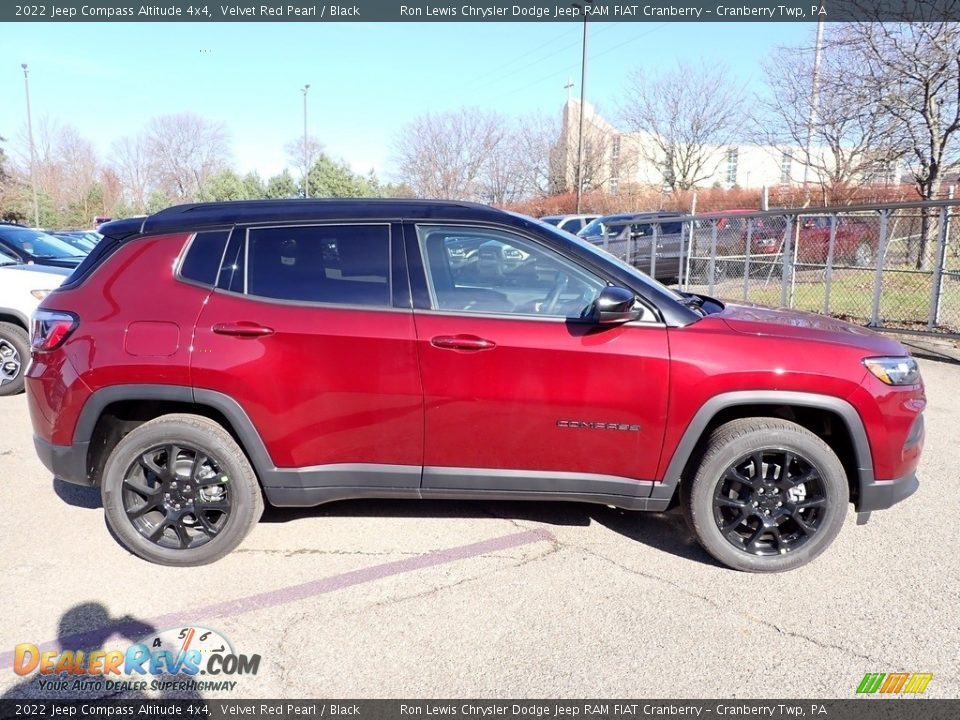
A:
(482, 270)
(334, 264)
(204, 256)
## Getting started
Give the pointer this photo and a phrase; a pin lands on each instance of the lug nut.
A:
(779, 504)
(187, 488)
(760, 491)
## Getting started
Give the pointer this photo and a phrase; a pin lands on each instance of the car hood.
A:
(50, 274)
(760, 320)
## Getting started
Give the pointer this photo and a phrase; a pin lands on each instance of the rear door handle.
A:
(242, 329)
(462, 342)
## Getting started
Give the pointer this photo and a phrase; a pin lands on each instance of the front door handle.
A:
(462, 342)
(242, 329)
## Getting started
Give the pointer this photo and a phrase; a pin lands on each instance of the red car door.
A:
(308, 331)
(519, 394)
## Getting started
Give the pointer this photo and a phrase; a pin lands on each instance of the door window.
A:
(332, 264)
(483, 270)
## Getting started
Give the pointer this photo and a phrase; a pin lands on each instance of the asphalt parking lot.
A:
(443, 599)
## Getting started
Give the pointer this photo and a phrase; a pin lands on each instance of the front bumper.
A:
(882, 494)
(67, 462)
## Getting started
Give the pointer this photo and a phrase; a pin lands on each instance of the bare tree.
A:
(187, 150)
(687, 113)
(911, 73)
(850, 143)
(134, 168)
(538, 150)
(302, 154)
(444, 155)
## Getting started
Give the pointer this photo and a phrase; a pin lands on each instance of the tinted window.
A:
(573, 226)
(482, 270)
(339, 264)
(204, 256)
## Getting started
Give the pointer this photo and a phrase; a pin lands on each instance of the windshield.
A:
(608, 258)
(40, 245)
(595, 227)
(553, 219)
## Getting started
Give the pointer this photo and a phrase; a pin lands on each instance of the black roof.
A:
(214, 214)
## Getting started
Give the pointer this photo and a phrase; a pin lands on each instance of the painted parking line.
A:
(292, 593)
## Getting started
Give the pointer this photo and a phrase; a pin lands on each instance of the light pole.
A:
(814, 102)
(306, 154)
(33, 174)
(583, 87)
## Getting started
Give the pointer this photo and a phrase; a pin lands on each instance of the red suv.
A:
(213, 355)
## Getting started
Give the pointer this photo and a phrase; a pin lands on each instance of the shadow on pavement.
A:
(89, 626)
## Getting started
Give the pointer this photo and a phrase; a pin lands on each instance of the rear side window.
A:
(331, 264)
(204, 256)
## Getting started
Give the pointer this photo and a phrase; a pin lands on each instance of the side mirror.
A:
(615, 305)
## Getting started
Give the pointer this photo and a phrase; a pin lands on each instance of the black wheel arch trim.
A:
(681, 455)
(22, 320)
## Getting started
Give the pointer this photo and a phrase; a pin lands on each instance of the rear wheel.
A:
(769, 495)
(14, 354)
(178, 490)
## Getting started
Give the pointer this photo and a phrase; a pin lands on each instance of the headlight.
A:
(40, 294)
(894, 370)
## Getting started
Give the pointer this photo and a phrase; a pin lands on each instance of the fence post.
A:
(878, 273)
(746, 262)
(786, 261)
(828, 279)
(933, 318)
(713, 256)
(686, 269)
(654, 242)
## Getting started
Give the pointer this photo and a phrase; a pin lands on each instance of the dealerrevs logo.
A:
(169, 660)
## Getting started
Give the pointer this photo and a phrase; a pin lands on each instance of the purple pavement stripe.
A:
(292, 593)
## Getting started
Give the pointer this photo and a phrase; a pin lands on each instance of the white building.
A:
(613, 160)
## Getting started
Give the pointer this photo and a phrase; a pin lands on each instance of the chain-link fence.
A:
(893, 266)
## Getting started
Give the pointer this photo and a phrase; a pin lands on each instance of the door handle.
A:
(242, 329)
(462, 342)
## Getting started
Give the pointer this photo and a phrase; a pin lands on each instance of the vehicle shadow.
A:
(88, 627)
(77, 495)
(664, 531)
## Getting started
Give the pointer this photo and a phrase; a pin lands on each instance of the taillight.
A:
(49, 329)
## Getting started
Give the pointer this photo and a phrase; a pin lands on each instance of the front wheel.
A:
(768, 496)
(178, 490)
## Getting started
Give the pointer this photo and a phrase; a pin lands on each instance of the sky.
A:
(366, 79)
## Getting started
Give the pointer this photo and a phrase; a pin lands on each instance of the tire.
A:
(715, 496)
(863, 255)
(14, 354)
(211, 473)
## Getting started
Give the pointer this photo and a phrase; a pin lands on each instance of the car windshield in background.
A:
(552, 220)
(40, 244)
(594, 228)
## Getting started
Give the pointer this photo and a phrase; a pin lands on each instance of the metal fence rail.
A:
(893, 266)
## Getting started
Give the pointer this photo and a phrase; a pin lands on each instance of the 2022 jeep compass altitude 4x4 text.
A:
(213, 355)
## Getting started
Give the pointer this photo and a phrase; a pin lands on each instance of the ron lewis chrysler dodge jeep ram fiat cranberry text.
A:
(212, 355)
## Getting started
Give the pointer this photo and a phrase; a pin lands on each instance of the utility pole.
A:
(306, 154)
(567, 87)
(814, 103)
(583, 89)
(33, 162)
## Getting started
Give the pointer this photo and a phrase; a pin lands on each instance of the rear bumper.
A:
(882, 494)
(67, 462)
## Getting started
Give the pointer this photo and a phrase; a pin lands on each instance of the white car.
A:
(571, 223)
(22, 287)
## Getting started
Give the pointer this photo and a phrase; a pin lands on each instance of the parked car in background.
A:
(22, 287)
(652, 242)
(34, 247)
(570, 223)
(214, 356)
(595, 230)
(82, 239)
